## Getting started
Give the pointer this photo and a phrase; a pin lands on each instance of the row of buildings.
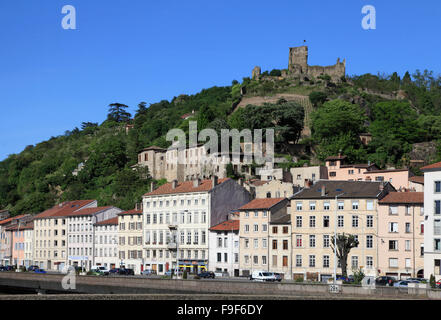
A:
(223, 225)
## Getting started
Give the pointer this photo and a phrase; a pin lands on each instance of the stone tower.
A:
(298, 59)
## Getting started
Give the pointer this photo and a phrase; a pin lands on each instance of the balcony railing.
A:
(172, 246)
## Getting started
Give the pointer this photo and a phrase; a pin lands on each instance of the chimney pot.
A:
(174, 184)
(323, 191)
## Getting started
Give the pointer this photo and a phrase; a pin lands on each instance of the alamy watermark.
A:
(69, 21)
(369, 21)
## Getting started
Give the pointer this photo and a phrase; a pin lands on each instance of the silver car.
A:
(404, 283)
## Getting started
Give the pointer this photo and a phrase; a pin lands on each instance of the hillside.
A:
(322, 116)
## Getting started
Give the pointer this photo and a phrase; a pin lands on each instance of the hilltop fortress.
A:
(298, 67)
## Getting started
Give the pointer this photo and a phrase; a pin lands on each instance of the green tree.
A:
(117, 112)
(317, 98)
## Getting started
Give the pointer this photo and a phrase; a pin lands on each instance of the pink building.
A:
(338, 170)
(17, 245)
(401, 235)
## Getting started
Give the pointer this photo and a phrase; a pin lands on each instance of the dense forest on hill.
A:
(95, 161)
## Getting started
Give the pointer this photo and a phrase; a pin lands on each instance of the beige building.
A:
(401, 235)
(106, 243)
(416, 183)
(50, 234)
(177, 218)
(130, 240)
(351, 206)
(275, 189)
(314, 173)
(262, 244)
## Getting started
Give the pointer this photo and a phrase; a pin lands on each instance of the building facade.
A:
(313, 173)
(51, 234)
(401, 235)
(130, 246)
(106, 243)
(350, 207)
(177, 218)
(81, 234)
(223, 244)
(432, 220)
(256, 238)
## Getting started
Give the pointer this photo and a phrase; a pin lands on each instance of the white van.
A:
(262, 276)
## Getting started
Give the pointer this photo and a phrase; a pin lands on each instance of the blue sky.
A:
(53, 79)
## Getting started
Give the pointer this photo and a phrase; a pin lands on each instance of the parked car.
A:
(130, 272)
(32, 268)
(206, 274)
(40, 271)
(262, 276)
(148, 272)
(95, 272)
(404, 283)
(100, 268)
(170, 271)
(114, 271)
(385, 281)
(278, 276)
(417, 279)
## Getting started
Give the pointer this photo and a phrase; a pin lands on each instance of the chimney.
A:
(323, 190)
(307, 183)
(213, 181)
(196, 182)
(174, 184)
(381, 186)
(152, 186)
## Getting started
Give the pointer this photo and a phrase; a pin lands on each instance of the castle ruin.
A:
(298, 67)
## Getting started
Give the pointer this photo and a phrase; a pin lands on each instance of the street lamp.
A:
(335, 235)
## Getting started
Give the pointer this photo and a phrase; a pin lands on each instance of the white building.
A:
(223, 241)
(432, 220)
(106, 243)
(80, 244)
(28, 244)
(189, 209)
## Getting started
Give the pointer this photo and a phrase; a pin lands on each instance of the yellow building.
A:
(317, 212)
(130, 240)
(257, 240)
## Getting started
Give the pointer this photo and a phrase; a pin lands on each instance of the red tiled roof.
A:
(432, 166)
(133, 211)
(417, 179)
(28, 226)
(257, 183)
(227, 225)
(11, 218)
(63, 209)
(184, 187)
(154, 148)
(403, 197)
(264, 203)
(111, 221)
(87, 211)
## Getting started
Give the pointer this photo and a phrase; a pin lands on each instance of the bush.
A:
(358, 276)
(432, 281)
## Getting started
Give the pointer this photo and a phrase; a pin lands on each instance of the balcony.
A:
(173, 227)
(172, 246)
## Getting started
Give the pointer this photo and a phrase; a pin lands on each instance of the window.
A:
(219, 257)
(312, 221)
(393, 245)
(256, 260)
(393, 227)
(299, 221)
(393, 210)
(247, 228)
(370, 205)
(408, 263)
(341, 205)
(264, 227)
(369, 241)
(299, 206)
(312, 241)
(370, 221)
(437, 186)
(285, 229)
(332, 174)
(312, 261)
(326, 206)
(285, 244)
(407, 227)
(219, 242)
(285, 261)
(340, 221)
(407, 245)
(437, 245)
(264, 243)
(354, 262)
(247, 243)
(274, 244)
(354, 221)
(256, 243)
(256, 214)
(393, 262)
(298, 241)
(437, 206)
(264, 260)
(326, 241)
(326, 221)
(298, 260)
(312, 205)
(275, 230)
(369, 262)
(325, 261)
(354, 205)
(256, 227)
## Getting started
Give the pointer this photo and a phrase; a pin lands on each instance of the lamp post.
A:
(335, 235)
